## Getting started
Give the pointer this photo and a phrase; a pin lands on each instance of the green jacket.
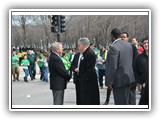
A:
(15, 61)
(66, 63)
(40, 61)
(25, 62)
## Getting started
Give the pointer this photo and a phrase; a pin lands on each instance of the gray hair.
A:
(84, 41)
(55, 46)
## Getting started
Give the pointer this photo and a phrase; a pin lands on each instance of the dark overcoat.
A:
(141, 70)
(74, 65)
(89, 91)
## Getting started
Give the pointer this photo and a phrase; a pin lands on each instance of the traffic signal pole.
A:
(58, 25)
(58, 32)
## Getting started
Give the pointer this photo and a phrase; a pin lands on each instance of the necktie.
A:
(79, 60)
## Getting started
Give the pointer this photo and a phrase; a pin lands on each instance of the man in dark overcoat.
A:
(59, 76)
(141, 70)
(89, 91)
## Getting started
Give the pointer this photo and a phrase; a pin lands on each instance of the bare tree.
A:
(31, 30)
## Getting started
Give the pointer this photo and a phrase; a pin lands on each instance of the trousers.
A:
(58, 96)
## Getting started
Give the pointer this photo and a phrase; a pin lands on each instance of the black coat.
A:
(141, 68)
(142, 76)
(58, 74)
(89, 91)
(74, 65)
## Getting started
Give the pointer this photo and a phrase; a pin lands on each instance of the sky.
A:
(82, 4)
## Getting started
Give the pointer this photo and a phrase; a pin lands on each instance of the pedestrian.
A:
(15, 66)
(40, 62)
(45, 69)
(141, 73)
(89, 91)
(119, 72)
(101, 59)
(46, 53)
(59, 76)
(25, 63)
(137, 45)
(132, 99)
(32, 67)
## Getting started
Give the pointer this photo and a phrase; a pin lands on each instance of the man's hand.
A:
(77, 70)
(102, 61)
(110, 87)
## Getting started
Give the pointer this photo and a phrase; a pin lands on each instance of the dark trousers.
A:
(42, 74)
(58, 97)
(77, 86)
(101, 74)
(32, 71)
(121, 95)
(132, 95)
(144, 100)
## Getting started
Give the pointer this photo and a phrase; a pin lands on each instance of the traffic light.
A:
(53, 29)
(54, 23)
(62, 23)
(54, 20)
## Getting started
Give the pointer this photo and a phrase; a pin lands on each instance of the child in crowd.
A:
(25, 63)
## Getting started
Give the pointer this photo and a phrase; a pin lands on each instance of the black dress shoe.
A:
(106, 102)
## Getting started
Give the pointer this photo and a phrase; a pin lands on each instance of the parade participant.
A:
(65, 60)
(15, 66)
(25, 63)
(40, 62)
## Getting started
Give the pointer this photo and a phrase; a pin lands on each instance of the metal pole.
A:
(58, 32)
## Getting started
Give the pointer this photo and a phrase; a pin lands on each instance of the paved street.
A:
(37, 92)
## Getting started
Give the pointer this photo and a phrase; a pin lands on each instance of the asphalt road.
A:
(37, 92)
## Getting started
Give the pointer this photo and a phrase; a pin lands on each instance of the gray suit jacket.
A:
(119, 70)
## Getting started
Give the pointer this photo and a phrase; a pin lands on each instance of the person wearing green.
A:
(66, 62)
(25, 63)
(40, 61)
(15, 66)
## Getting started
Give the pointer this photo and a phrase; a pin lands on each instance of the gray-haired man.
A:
(89, 91)
(58, 74)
